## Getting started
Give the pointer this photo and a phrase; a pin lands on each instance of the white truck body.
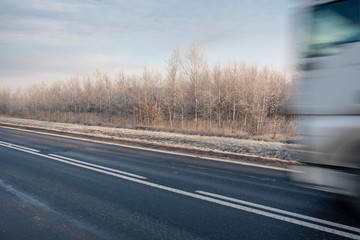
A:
(327, 96)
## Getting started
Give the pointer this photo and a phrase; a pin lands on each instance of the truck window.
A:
(328, 26)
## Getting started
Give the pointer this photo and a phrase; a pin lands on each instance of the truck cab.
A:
(326, 99)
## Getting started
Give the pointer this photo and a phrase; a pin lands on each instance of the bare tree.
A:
(194, 65)
(18, 102)
(219, 91)
(173, 72)
(4, 100)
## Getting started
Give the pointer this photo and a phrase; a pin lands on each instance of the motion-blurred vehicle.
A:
(327, 96)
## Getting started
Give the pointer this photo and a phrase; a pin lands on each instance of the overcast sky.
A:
(47, 40)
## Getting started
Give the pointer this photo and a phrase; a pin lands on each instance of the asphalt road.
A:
(54, 187)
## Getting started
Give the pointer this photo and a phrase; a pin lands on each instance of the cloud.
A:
(74, 22)
(69, 37)
(16, 71)
(62, 63)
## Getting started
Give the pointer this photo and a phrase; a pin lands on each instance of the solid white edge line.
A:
(154, 150)
(70, 159)
(65, 161)
(26, 148)
(18, 148)
(98, 166)
(209, 199)
(297, 215)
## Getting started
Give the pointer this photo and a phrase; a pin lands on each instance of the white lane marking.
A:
(206, 198)
(26, 148)
(79, 164)
(297, 215)
(98, 166)
(18, 148)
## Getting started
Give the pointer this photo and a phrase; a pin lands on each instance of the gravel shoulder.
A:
(246, 150)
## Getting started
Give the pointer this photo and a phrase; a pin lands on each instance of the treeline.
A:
(190, 95)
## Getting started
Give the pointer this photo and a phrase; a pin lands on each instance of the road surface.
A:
(54, 187)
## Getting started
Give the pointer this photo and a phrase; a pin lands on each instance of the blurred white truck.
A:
(327, 97)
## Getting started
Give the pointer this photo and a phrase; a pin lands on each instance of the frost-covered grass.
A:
(223, 144)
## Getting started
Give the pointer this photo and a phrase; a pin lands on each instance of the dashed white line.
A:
(297, 215)
(98, 166)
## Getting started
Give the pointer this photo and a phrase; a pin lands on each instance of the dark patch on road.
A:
(24, 217)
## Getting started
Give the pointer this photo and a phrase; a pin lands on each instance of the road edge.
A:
(237, 158)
